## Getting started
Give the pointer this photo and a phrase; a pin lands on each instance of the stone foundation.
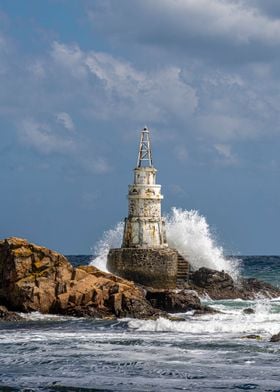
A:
(154, 267)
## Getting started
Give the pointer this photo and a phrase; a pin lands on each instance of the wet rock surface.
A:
(253, 337)
(6, 315)
(249, 311)
(34, 278)
(177, 301)
(275, 338)
(220, 285)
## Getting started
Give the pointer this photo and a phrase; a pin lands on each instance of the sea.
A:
(202, 353)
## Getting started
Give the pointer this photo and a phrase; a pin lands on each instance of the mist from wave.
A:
(188, 232)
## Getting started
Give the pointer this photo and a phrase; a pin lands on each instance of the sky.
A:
(79, 79)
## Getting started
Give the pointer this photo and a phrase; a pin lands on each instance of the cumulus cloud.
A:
(225, 152)
(37, 69)
(187, 101)
(65, 119)
(125, 90)
(41, 137)
(200, 27)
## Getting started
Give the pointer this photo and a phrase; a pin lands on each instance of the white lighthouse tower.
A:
(144, 226)
(145, 256)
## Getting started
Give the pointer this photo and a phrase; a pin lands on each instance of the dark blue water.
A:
(205, 353)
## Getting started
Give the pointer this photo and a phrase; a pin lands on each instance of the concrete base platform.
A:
(153, 267)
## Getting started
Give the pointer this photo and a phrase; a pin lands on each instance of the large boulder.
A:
(275, 338)
(177, 301)
(220, 285)
(6, 315)
(34, 278)
(174, 301)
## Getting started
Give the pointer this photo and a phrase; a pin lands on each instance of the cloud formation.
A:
(41, 137)
(66, 120)
(229, 30)
(124, 90)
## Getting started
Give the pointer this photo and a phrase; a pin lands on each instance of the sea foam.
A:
(188, 232)
(231, 322)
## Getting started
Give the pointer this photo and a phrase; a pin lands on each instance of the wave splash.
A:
(188, 232)
(111, 239)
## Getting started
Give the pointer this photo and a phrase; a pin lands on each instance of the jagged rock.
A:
(216, 284)
(220, 285)
(256, 337)
(249, 311)
(35, 278)
(206, 310)
(6, 315)
(254, 288)
(173, 301)
(275, 338)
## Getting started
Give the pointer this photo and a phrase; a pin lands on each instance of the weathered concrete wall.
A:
(151, 267)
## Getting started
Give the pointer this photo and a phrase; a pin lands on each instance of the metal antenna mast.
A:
(145, 152)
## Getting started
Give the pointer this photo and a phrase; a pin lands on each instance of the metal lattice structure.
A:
(145, 152)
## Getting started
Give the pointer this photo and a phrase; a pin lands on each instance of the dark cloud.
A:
(219, 31)
(270, 8)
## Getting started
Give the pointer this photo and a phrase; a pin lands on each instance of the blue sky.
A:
(79, 79)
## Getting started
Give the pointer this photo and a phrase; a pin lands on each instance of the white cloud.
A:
(65, 119)
(37, 69)
(69, 57)
(123, 90)
(42, 138)
(225, 152)
(237, 21)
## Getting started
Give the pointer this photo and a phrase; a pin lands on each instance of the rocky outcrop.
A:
(275, 338)
(6, 315)
(220, 285)
(34, 278)
(173, 301)
(249, 311)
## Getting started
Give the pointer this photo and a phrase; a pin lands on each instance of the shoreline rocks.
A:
(275, 338)
(220, 285)
(177, 301)
(6, 315)
(34, 278)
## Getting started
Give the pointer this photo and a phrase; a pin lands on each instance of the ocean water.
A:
(201, 353)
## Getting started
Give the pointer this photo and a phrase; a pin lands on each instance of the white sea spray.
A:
(111, 239)
(188, 232)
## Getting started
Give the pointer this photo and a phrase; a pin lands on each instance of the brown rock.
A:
(275, 338)
(36, 278)
(220, 285)
(249, 311)
(6, 315)
(30, 275)
(256, 337)
(174, 301)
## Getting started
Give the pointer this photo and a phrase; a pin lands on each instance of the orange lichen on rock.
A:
(34, 278)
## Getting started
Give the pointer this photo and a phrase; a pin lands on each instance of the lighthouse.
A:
(144, 227)
(145, 256)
